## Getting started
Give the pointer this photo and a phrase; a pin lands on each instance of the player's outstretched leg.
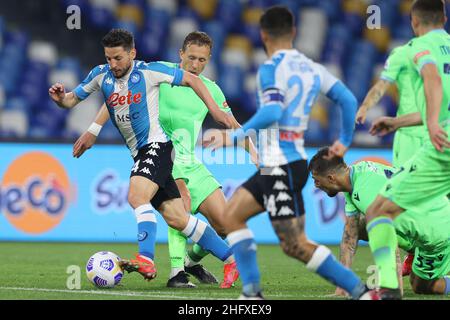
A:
(318, 259)
(195, 229)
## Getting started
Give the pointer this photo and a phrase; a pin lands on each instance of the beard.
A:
(124, 72)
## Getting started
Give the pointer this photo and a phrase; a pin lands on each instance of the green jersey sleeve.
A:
(350, 208)
(394, 64)
(420, 55)
(219, 98)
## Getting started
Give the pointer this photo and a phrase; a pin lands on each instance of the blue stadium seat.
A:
(127, 25)
(355, 23)
(157, 21)
(332, 9)
(150, 46)
(229, 13)
(231, 80)
(171, 54)
(186, 12)
(216, 30)
(337, 44)
(101, 18)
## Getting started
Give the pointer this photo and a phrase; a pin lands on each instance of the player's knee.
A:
(135, 200)
(229, 222)
(176, 222)
(420, 286)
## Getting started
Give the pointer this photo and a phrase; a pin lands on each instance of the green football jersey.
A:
(433, 47)
(181, 114)
(396, 71)
(367, 178)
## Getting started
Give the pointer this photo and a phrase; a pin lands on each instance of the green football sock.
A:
(177, 248)
(383, 243)
(196, 253)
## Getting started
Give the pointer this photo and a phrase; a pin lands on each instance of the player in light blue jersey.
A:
(288, 85)
(131, 90)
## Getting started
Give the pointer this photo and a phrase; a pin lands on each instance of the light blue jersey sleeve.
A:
(92, 82)
(159, 72)
(348, 104)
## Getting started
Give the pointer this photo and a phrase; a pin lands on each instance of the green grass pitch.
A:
(39, 271)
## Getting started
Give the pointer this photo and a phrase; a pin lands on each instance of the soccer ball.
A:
(103, 270)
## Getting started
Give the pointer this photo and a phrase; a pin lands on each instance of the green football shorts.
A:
(404, 147)
(200, 182)
(421, 180)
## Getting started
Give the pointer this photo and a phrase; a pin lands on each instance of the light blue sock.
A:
(447, 285)
(243, 246)
(146, 220)
(207, 238)
(325, 264)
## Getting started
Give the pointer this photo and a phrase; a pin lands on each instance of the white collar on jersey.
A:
(283, 51)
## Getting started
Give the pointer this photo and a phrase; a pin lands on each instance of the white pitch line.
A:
(110, 293)
(153, 294)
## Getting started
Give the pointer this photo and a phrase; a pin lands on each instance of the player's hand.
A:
(361, 115)
(222, 118)
(340, 292)
(383, 126)
(84, 142)
(438, 137)
(215, 139)
(57, 92)
(336, 150)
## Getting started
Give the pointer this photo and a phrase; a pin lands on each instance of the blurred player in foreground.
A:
(181, 115)
(426, 233)
(131, 90)
(288, 85)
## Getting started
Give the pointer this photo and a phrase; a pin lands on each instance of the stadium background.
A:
(40, 202)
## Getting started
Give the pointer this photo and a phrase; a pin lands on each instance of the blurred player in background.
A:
(427, 233)
(131, 90)
(181, 115)
(407, 140)
(288, 85)
(425, 177)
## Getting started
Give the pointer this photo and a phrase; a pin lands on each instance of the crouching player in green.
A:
(427, 233)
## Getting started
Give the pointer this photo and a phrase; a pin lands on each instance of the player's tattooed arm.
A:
(349, 241)
(373, 96)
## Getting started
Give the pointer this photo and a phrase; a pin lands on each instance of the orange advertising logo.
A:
(35, 191)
